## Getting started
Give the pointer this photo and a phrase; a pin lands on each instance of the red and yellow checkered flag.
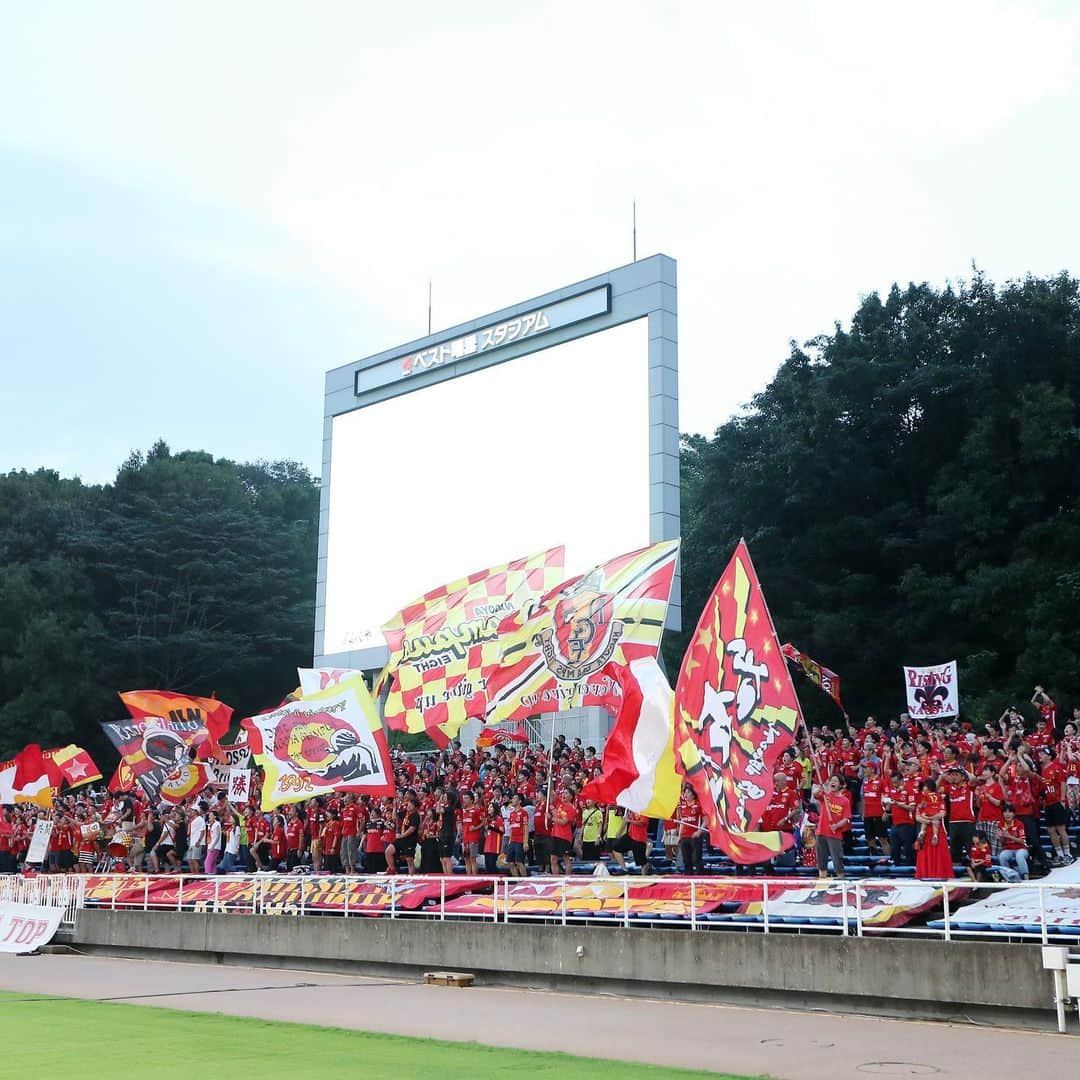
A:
(440, 643)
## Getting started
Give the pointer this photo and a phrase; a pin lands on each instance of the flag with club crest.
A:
(330, 741)
(736, 700)
(440, 643)
(152, 749)
(551, 657)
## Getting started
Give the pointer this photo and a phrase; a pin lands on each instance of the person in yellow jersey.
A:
(592, 829)
(613, 826)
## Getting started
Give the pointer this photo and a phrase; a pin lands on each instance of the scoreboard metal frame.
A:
(645, 289)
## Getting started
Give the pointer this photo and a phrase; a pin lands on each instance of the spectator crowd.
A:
(932, 796)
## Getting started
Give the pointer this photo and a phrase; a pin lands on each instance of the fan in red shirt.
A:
(258, 839)
(294, 839)
(1014, 850)
(331, 843)
(834, 819)
(350, 820)
(691, 831)
(518, 837)
(494, 824)
(1047, 717)
(563, 820)
(980, 859)
(279, 842)
(990, 796)
(874, 787)
(933, 860)
(960, 799)
(1052, 792)
(472, 827)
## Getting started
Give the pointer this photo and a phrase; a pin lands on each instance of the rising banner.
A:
(736, 699)
(932, 691)
(552, 657)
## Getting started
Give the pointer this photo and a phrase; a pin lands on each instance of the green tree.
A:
(187, 573)
(908, 490)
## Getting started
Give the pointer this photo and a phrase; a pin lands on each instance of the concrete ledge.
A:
(884, 976)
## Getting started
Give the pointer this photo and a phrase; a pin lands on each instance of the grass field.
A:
(44, 1037)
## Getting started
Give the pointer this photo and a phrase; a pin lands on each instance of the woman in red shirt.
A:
(494, 826)
(278, 844)
(932, 860)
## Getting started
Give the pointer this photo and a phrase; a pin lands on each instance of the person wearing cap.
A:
(1013, 859)
(960, 798)
(873, 809)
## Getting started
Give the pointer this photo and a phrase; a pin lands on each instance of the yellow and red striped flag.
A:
(735, 698)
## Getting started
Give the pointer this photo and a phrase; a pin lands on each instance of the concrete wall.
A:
(888, 976)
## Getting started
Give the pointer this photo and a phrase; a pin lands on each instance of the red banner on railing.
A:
(276, 895)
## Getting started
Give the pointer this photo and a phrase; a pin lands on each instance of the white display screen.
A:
(550, 448)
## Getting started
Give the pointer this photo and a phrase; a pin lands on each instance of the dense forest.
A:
(908, 488)
(186, 573)
(909, 491)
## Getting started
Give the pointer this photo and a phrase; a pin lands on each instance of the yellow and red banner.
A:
(553, 656)
(76, 765)
(736, 701)
(440, 643)
(329, 741)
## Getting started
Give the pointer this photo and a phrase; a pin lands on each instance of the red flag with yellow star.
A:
(736, 701)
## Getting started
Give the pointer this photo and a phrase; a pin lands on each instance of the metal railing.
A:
(1033, 911)
(46, 890)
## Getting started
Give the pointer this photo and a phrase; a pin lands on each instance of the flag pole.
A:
(551, 766)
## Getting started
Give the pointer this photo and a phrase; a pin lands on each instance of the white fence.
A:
(48, 890)
(1033, 911)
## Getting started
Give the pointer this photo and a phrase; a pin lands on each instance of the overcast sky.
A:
(203, 207)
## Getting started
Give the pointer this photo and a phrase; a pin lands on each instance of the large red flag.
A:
(212, 715)
(32, 777)
(735, 697)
